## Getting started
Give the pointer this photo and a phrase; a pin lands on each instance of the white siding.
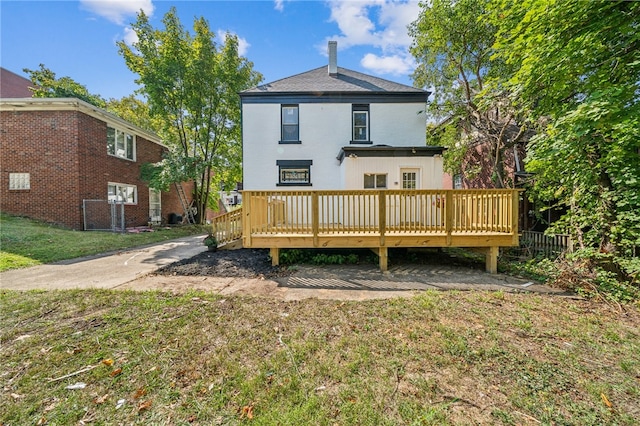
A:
(398, 124)
(324, 129)
(430, 170)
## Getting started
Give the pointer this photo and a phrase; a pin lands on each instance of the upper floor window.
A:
(360, 124)
(121, 144)
(290, 124)
(122, 193)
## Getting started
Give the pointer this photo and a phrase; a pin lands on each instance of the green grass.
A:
(438, 358)
(25, 242)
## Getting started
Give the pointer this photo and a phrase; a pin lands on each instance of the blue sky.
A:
(281, 37)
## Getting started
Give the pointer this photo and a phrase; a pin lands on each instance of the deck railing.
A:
(377, 219)
(380, 212)
(227, 227)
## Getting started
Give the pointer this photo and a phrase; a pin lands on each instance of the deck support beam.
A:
(275, 256)
(383, 257)
(491, 259)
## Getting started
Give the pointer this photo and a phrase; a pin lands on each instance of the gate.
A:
(103, 215)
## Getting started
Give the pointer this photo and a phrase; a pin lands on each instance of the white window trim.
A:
(19, 181)
(115, 152)
(375, 180)
(118, 188)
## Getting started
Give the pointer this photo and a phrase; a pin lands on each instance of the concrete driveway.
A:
(108, 270)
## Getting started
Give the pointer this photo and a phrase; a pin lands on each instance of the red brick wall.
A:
(65, 153)
(43, 144)
(13, 85)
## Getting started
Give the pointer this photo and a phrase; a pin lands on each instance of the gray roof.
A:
(346, 81)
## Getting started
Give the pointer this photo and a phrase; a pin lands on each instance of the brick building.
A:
(13, 85)
(55, 153)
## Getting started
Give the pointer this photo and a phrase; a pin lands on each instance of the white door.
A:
(155, 206)
(411, 205)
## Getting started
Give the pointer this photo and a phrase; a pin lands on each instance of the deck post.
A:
(383, 258)
(246, 218)
(382, 220)
(275, 256)
(448, 215)
(491, 260)
(315, 219)
(515, 217)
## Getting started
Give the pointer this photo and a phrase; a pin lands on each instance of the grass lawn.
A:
(25, 242)
(438, 358)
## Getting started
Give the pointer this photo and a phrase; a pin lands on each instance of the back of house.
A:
(334, 128)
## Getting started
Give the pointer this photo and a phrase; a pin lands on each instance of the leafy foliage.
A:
(574, 70)
(135, 111)
(46, 85)
(453, 48)
(192, 86)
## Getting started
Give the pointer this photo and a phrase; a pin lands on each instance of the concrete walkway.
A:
(132, 269)
(108, 270)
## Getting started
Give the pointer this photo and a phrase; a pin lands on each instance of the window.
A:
(294, 172)
(155, 206)
(121, 144)
(290, 126)
(457, 182)
(119, 192)
(360, 123)
(409, 180)
(372, 181)
(19, 181)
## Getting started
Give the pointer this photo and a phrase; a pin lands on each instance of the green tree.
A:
(192, 86)
(135, 111)
(453, 48)
(574, 70)
(46, 85)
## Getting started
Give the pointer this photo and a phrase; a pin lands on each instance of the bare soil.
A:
(256, 263)
(243, 263)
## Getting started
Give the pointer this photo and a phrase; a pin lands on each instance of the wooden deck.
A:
(375, 219)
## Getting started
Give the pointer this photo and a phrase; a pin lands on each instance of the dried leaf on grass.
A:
(101, 399)
(108, 362)
(606, 401)
(145, 405)
(247, 410)
(139, 393)
(116, 372)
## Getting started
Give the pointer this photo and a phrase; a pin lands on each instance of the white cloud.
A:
(130, 36)
(380, 25)
(278, 5)
(243, 44)
(117, 11)
(394, 64)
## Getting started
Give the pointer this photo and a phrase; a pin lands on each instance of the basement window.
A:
(294, 172)
(19, 181)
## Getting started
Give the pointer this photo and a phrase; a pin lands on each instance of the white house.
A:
(334, 128)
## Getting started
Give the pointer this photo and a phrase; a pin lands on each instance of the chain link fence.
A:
(103, 215)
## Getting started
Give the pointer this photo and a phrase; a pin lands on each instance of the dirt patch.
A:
(243, 263)
(256, 263)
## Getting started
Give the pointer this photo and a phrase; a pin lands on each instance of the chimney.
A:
(333, 58)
